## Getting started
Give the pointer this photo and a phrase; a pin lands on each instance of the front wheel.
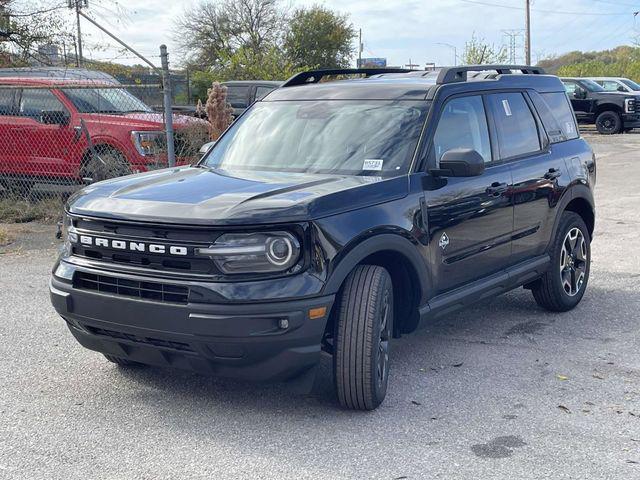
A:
(105, 162)
(362, 334)
(563, 286)
(609, 123)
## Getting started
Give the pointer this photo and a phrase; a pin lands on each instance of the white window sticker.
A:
(372, 164)
(569, 128)
(507, 107)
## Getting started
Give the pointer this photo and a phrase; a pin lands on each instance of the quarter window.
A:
(561, 110)
(463, 124)
(515, 125)
(35, 101)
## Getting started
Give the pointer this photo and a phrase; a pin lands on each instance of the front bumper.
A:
(247, 341)
(631, 120)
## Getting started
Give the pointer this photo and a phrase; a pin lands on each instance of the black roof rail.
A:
(314, 76)
(459, 74)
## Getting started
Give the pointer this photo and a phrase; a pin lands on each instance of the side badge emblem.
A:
(444, 241)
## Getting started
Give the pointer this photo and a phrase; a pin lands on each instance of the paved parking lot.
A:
(503, 390)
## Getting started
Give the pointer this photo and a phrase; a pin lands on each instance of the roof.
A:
(57, 72)
(52, 81)
(275, 83)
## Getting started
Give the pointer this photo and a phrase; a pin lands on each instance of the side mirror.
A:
(621, 88)
(54, 117)
(204, 149)
(580, 93)
(461, 162)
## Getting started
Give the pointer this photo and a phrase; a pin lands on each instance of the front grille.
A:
(160, 292)
(190, 264)
(156, 342)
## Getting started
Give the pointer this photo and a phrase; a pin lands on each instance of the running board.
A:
(494, 285)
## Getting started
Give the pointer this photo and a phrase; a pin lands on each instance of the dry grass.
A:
(5, 239)
(14, 210)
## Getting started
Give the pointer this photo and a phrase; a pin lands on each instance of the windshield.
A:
(105, 100)
(631, 84)
(330, 136)
(591, 85)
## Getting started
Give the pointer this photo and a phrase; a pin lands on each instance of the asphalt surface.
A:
(503, 390)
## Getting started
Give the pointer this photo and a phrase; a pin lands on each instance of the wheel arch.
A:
(607, 107)
(409, 274)
(580, 201)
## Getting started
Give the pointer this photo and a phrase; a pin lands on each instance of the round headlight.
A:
(279, 250)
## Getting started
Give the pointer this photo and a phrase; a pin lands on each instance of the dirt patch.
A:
(13, 210)
(18, 237)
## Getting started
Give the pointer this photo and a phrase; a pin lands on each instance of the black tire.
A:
(363, 328)
(106, 163)
(609, 123)
(555, 290)
(121, 361)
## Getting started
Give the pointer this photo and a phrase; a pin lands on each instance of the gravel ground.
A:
(502, 391)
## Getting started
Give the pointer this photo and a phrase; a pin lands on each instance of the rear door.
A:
(539, 172)
(470, 218)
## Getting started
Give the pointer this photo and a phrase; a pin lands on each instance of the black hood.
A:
(199, 196)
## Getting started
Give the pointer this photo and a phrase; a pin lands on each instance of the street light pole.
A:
(527, 41)
(455, 52)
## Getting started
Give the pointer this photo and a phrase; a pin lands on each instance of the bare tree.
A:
(211, 30)
(478, 52)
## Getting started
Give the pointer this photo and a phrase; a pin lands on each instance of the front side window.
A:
(591, 86)
(515, 125)
(463, 124)
(105, 100)
(377, 138)
(237, 95)
(34, 101)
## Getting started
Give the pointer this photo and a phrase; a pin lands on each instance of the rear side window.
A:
(557, 116)
(6, 101)
(35, 101)
(463, 124)
(515, 125)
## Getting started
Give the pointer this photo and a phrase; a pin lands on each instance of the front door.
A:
(470, 218)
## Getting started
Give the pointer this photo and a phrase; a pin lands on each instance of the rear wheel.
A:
(362, 334)
(121, 361)
(609, 123)
(563, 286)
(107, 162)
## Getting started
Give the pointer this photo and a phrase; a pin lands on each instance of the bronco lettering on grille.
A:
(131, 246)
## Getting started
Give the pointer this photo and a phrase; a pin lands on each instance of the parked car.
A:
(359, 210)
(614, 84)
(67, 73)
(241, 94)
(68, 131)
(611, 112)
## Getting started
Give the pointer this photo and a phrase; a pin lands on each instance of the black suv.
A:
(612, 112)
(242, 93)
(333, 217)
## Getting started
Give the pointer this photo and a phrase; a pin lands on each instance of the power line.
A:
(558, 12)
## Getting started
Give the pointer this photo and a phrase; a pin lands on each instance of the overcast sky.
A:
(400, 30)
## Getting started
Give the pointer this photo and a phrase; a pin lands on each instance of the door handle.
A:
(497, 188)
(552, 174)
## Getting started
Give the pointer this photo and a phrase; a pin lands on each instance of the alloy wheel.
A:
(383, 341)
(573, 262)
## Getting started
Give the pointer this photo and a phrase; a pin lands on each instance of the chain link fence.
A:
(60, 134)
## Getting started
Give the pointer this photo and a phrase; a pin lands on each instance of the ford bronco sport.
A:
(334, 217)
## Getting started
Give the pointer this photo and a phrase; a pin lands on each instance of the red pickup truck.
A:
(54, 130)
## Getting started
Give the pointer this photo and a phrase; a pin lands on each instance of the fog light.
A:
(283, 323)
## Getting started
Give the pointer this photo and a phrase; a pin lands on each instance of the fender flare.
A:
(575, 192)
(375, 244)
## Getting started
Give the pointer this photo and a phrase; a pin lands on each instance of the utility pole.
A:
(360, 48)
(527, 40)
(78, 5)
(411, 65)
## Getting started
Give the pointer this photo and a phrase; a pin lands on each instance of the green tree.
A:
(478, 52)
(319, 38)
